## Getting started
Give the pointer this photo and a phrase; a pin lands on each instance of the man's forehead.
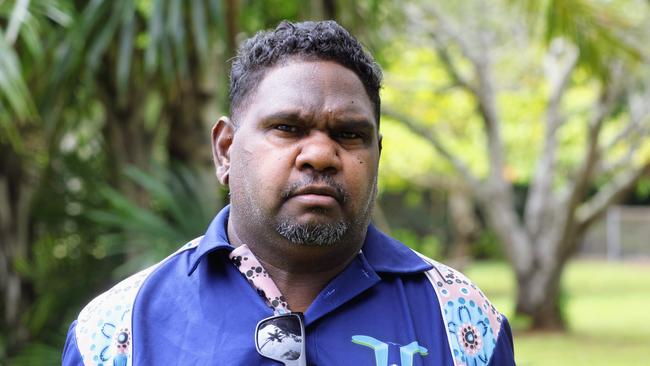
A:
(310, 86)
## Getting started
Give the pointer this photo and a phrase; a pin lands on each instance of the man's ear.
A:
(222, 136)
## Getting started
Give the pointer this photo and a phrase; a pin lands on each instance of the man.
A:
(300, 154)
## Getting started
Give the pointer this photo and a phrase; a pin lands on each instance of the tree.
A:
(25, 138)
(135, 68)
(483, 56)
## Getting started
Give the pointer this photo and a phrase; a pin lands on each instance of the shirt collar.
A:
(215, 238)
(383, 253)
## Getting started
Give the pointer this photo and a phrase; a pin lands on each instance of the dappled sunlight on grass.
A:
(606, 308)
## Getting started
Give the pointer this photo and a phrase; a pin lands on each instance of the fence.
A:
(622, 233)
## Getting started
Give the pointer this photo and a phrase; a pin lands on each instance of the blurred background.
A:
(516, 148)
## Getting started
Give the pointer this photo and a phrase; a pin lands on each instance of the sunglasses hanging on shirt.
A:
(282, 338)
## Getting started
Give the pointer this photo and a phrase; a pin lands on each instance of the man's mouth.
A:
(317, 195)
(316, 191)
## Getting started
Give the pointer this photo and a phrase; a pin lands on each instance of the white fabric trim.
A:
(103, 330)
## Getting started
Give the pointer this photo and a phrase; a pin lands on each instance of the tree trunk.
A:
(128, 140)
(537, 261)
(464, 224)
(16, 192)
(188, 140)
(539, 291)
(538, 296)
(130, 144)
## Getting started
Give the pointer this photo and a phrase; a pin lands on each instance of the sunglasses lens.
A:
(281, 338)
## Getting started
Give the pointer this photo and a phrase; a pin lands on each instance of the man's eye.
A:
(286, 128)
(349, 135)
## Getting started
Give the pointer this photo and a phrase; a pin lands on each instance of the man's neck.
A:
(299, 271)
(300, 289)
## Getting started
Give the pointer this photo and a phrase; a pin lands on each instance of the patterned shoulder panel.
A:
(103, 329)
(473, 323)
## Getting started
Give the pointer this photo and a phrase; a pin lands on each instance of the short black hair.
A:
(323, 40)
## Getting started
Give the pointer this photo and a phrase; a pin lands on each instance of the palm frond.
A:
(15, 98)
(18, 15)
(600, 30)
(177, 30)
(170, 36)
(125, 49)
(200, 29)
(182, 206)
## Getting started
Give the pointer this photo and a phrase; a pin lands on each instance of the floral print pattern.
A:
(472, 339)
(473, 323)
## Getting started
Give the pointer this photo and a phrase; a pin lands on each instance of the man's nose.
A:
(319, 152)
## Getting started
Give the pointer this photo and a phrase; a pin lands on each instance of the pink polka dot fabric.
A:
(252, 269)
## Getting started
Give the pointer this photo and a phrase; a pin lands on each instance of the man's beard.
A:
(321, 234)
(312, 234)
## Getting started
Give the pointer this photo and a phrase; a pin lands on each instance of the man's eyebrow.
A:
(344, 121)
(357, 123)
(283, 116)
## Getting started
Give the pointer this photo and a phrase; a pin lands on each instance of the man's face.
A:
(303, 160)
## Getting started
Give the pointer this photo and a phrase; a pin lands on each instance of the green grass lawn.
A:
(608, 308)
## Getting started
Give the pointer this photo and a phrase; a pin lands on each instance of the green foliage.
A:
(143, 38)
(102, 237)
(274, 11)
(56, 263)
(63, 268)
(52, 46)
(643, 188)
(428, 245)
(182, 205)
(418, 82)
(487, 247)
(602, 30)
(38, 354)
(13, 87)
(29, 30)
(406, 158)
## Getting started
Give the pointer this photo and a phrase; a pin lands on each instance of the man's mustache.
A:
(320, 180)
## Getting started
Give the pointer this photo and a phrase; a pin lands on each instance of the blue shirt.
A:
(196, 308)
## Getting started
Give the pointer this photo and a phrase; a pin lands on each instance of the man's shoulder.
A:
(105, 323)
(453, 285)
(126, 289)
(474, 325)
